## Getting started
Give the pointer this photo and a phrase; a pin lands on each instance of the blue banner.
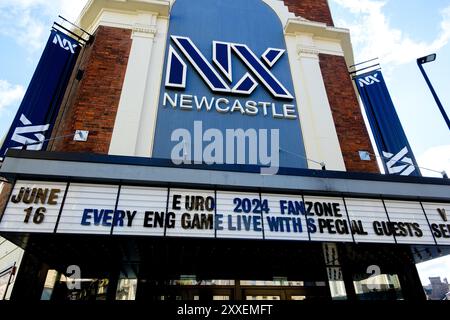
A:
(37, 113)
(388, 132)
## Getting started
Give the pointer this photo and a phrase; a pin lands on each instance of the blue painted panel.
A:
(248, 22)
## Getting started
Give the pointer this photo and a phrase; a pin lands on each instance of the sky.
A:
(395, 31)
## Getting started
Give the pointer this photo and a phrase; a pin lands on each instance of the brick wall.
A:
(92, 103)
(350, 126)
(314, 10)
(5, 189)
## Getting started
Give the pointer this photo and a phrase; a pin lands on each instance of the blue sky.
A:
(395, 31)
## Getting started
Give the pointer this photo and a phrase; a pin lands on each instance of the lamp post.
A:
(420, 62)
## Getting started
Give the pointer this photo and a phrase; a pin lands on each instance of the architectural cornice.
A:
(321, 32)
(311, 52)
(144, 30)
(90, 16)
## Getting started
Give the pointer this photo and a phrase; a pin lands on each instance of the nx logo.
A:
(64, 43)
(405, 167)
(369, 80)
(177, 68)
(19, 134)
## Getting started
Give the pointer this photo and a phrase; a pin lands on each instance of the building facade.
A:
(212, 150)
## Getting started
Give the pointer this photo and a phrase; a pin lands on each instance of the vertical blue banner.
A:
(388, 132)
(39, 108)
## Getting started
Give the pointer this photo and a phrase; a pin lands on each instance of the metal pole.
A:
(12, 273)
(436, 98)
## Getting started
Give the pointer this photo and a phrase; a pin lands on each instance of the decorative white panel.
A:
(408, 221)
(238, 216)
(367, 217)
(143, 210)
(33, 207)
(329, 219)
(89, 208)
(439, 217)
(193, 211)
(285, 220)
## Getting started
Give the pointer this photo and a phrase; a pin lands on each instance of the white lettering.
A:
(186, 102)
(173, 102)
(223, 105)
(203, 101)
(181, 152)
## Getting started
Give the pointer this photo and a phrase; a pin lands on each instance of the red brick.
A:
(92, 103)
(314, 10)
(350, 126)
(5, 189)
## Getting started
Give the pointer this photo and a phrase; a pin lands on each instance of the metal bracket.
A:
(364, 155)
(81, 135)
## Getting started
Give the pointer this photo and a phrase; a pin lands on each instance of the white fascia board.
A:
(94, 8)
(323, 33)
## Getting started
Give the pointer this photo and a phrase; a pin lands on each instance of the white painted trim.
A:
(147, 126)
(281, 10)
(90, 17)
(131, 103)
(324, 37)
(316, 121)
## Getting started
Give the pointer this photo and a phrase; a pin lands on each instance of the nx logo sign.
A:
(64, 43)
(28, 128)
(222, 52)
(399, 163)
(369, 80)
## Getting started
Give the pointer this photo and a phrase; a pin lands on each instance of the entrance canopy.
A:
(113, 196)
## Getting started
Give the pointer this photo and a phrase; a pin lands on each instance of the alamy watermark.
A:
(238, 146)
(373, 281)
(73, 273)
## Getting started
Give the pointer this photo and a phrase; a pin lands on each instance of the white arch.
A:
(281, 10)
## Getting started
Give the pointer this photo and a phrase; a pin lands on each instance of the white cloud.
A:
(436, 158)
(373, 35)
(9, 94)
(29, 21)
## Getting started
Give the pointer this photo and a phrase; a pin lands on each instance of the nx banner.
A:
(389, 136)
(37, 113)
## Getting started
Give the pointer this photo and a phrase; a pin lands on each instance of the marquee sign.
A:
(113, 210)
